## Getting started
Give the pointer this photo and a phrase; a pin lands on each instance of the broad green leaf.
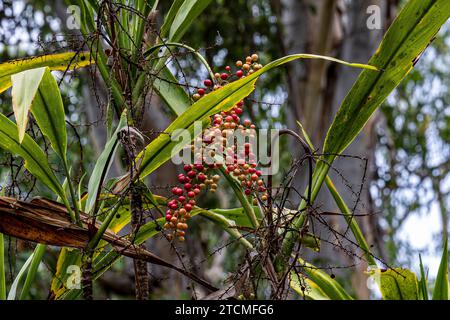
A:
(406, 39)
(45, 103)
(186, 14)
(24, 87)
(159, 150)
(35, 159)
(441, 286)
(329, 286)
(61, 62)
(398, 284)
(66, 258)
(423, 287)
(102, 165)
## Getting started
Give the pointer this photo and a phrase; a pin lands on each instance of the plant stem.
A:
(72, 193)
(248, 209)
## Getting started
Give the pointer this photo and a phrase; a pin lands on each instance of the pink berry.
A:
(187, 186)
(181, 198)
(227, 68)
(168, 217)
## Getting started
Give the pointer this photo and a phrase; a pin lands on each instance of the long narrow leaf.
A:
(61, 62)
(31, 274)
(102, 166)
(441, 286)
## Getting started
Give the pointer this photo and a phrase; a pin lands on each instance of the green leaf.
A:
(24, 87)
(168, 19)
(328, 286)
(167, 87)
(186, 14)
(238, 216)
(311, 290)
(31, 275)
(160, 149)
(228, 225)
(406, 39)
(61, 62)
(102, 165)
(35, 159)
(441, 288)
(15, 285)
(36, 89)
(398, 284)
(423, 281)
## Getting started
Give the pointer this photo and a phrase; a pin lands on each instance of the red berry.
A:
(208, 83)
(227, 68)
(258, 173)
(224, 76)
(168, 217)
(187, 167)
(199, 167)
(188, 207)
(196, 190)
(201, 177)
(248, 191)
(181, 198)
(187, 186)
(239, 73)
(182, 178)
(168, 211)
(240, 103)
(192, 174)
(173, 206)
(201, 91)
(238, 111)
(191, 194)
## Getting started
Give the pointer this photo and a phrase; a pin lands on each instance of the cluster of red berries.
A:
(239, 163)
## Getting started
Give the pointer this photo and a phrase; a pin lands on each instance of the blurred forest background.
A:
(404, 190)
